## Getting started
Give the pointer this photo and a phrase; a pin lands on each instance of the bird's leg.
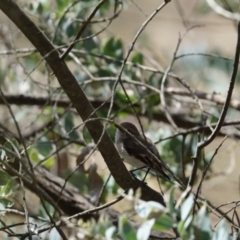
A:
(138, 169)
(134, 170)
(146, 174)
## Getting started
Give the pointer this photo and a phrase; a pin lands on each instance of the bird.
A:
(136, 150)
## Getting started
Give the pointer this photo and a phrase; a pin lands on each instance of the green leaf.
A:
(9, 189)
(163, 222)
(6, 202)
(30, 63)
(44, 146)
(153, 80)
(89, 44)
(4, 178)
(87, 136)
(104, 72)
(8, 146)
(40, 9)
(153, 100)
(185, 233)
(70, 29)
(76, 179)
(170, 202)
(180, 228)
(126, 231)
(62, 4)
(42, 210)
(137, 58)
(33, 155)
(114, 48)
(50, 162)
(15, 143)
(105, 6)
(69, 126)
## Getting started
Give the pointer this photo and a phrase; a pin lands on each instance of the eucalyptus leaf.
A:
(186, 207)
(202, 226)
(110, 232)
(69, 126)
(4, 178)
(137, 58)
(143, 208)
(50, 162)
(9, 188)
(6, 202)
(114, 48)
(126, 230)
(170, 202)
(144, 230)
(163, 222)
(221, 232)
(44, 146)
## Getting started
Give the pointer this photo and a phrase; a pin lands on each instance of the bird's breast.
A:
(128, 158)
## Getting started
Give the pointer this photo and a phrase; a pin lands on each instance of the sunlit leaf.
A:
(50, 162)
(144, 230)
(221, 232)
(34, 156)
(186, 207)
(110, 232)
(144, 208)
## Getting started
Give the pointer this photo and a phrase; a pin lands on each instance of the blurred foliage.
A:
(154, 216)
(95, 62)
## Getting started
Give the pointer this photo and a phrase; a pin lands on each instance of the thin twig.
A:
(207, 167)
(220, 122)
(119, 80)
(92, 14)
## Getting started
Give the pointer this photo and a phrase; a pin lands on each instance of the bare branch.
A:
(78, 98)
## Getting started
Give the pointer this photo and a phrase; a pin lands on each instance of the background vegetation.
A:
(70, 73)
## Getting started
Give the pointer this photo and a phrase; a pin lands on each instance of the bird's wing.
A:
(157, 163)
(143, 155)
(135, 149)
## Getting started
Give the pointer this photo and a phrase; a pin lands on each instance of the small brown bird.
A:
(136, 154)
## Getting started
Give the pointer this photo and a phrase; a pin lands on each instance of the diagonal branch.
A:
(221, 119)
(78, 98)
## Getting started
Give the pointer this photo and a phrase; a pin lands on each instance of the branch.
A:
(179, 117)
(20, 99)
(221, 119)
(78, 99)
